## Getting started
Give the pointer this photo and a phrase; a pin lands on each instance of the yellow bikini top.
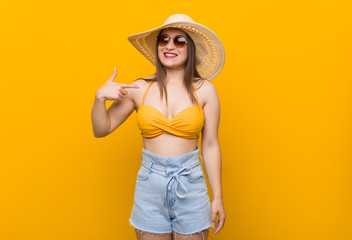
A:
(188, 123)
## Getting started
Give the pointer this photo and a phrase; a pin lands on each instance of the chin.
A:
(173, 66)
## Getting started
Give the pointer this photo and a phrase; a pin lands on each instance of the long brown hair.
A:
(190, 72)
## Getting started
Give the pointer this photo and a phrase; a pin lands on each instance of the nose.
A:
(170, 44)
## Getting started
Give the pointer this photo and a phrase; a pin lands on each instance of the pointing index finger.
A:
(124, 85)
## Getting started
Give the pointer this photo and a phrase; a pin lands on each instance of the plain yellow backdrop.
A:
(285, 130)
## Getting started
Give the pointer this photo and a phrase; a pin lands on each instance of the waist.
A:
(170, 163)
(169, 145)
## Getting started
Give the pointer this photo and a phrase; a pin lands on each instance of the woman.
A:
(173, 107)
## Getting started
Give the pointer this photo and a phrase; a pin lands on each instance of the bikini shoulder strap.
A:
(146, 91)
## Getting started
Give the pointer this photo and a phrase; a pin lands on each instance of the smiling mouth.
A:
(170, 55)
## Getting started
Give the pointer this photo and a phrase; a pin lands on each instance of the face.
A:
(176, 57)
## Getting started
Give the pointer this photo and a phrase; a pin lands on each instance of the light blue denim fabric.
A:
(171, 194)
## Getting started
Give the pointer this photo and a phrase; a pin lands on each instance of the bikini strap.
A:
(146, 90)
(195, 93)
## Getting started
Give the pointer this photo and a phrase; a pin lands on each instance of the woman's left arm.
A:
(212, 155)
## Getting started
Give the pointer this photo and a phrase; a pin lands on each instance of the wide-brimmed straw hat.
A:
(210, 53)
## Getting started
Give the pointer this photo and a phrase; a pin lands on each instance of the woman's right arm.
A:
(106, 121)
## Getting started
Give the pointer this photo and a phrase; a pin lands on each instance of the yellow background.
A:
(285, 131)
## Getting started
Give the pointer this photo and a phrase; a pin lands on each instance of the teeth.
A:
(170, 55)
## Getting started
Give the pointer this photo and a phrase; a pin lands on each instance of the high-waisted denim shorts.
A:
(171, 194)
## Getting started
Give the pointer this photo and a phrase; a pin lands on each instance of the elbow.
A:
(210, 143)
(100, 134)
(96, 135)
(100, 131)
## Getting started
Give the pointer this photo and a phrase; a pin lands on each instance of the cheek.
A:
(159, 53)
(184, 54)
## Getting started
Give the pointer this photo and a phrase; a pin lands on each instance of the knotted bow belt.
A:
(175, 176)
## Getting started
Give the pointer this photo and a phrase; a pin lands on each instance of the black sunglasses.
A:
(179, 41)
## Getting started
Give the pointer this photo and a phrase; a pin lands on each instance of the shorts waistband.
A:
(170, 163)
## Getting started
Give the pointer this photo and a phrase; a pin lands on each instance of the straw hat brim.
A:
(210, 53)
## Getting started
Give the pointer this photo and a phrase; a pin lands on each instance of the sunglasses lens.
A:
(179, 42)
(163, 40)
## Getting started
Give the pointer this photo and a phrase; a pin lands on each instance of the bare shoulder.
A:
(143, 82)
(203, 85)
(206, 90)
(136, 94)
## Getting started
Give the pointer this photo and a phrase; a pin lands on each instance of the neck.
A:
(175, 75)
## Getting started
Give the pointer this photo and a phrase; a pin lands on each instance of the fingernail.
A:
(114, 69)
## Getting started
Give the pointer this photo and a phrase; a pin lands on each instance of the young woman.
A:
(174, 106)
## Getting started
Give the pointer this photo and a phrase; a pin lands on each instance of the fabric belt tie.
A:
(175, 177)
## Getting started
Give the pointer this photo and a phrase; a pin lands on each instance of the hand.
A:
(112, 90)
(217, 208)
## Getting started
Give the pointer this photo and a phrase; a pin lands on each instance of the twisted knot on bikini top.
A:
(187, 123)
